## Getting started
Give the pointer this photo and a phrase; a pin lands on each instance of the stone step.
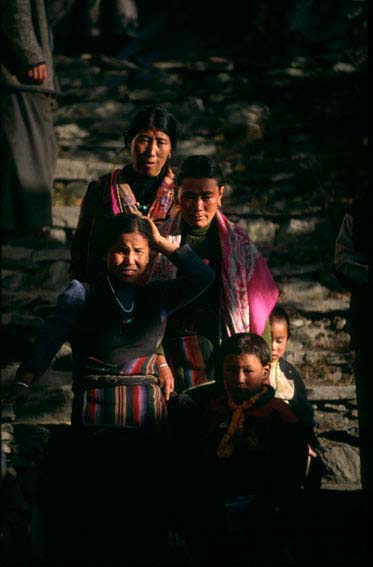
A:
(49, 406)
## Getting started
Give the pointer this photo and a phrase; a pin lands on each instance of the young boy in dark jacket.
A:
(249, 443)
(247, 427)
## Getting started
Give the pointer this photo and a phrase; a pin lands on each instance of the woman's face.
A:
(150, 149)
(127, 259)
(199, 200)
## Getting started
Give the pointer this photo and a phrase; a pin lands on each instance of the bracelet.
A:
(162, 365)
(23, 384)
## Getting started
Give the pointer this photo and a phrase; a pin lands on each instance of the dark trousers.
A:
(28, 158)
(364, 398)
(102, 498)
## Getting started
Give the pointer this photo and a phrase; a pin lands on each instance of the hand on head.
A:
(126, 242)
(159, 242)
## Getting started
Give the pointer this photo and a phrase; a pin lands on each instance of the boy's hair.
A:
(156, 117)
(111, 229)
(279, 314)
(199, 167)
(242, 343)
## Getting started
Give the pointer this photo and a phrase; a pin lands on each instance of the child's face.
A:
(279, 336)
(127, 258)
(244, 372)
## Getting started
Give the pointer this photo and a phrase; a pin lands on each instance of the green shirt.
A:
(201, 317)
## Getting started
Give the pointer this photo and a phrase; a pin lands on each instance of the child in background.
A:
(289, 386)
(284, 378)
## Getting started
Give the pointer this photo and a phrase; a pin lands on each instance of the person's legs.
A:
(28, 147)
(58, 497)
(123, 497)
(364, 397)
(7, 169)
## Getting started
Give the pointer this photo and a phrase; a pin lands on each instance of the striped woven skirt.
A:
(134, 403)
(190, 358)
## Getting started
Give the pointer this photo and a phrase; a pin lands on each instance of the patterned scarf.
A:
(124, 201)
(249, 292)
(227, 446)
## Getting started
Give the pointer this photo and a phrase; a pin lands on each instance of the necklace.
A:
(119, 302)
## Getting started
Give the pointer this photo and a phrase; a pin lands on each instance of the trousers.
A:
(28, 159)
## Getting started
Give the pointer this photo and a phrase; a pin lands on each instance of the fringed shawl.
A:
(249, 292)
(124, 201)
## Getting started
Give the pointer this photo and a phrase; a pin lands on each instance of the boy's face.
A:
(244, 372)
(127, 258)
(279, 339)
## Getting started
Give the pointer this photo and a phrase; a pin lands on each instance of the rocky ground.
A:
(289, 130)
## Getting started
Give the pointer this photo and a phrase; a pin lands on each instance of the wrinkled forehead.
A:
(134, 238)
(153, 133)
(198, 186)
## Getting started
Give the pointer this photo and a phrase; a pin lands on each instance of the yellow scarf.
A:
(226, 447)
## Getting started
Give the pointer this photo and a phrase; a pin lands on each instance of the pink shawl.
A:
(249, 292)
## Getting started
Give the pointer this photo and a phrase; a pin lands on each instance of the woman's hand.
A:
(20, 389)
(166, 378)
(311, 452)
(159, 242)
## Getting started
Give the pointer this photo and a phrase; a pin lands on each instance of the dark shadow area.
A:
(326, 528)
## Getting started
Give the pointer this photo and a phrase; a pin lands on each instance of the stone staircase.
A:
(288, 132)
(288, 127)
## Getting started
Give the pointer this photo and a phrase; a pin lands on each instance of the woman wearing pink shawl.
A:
(144, 186)
(244, 292)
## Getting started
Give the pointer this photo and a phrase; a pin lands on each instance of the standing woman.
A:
(144, 186)
(28, 92)
(244, 292)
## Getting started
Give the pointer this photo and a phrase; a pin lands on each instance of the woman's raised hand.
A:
(160, 243)
(18, 391)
